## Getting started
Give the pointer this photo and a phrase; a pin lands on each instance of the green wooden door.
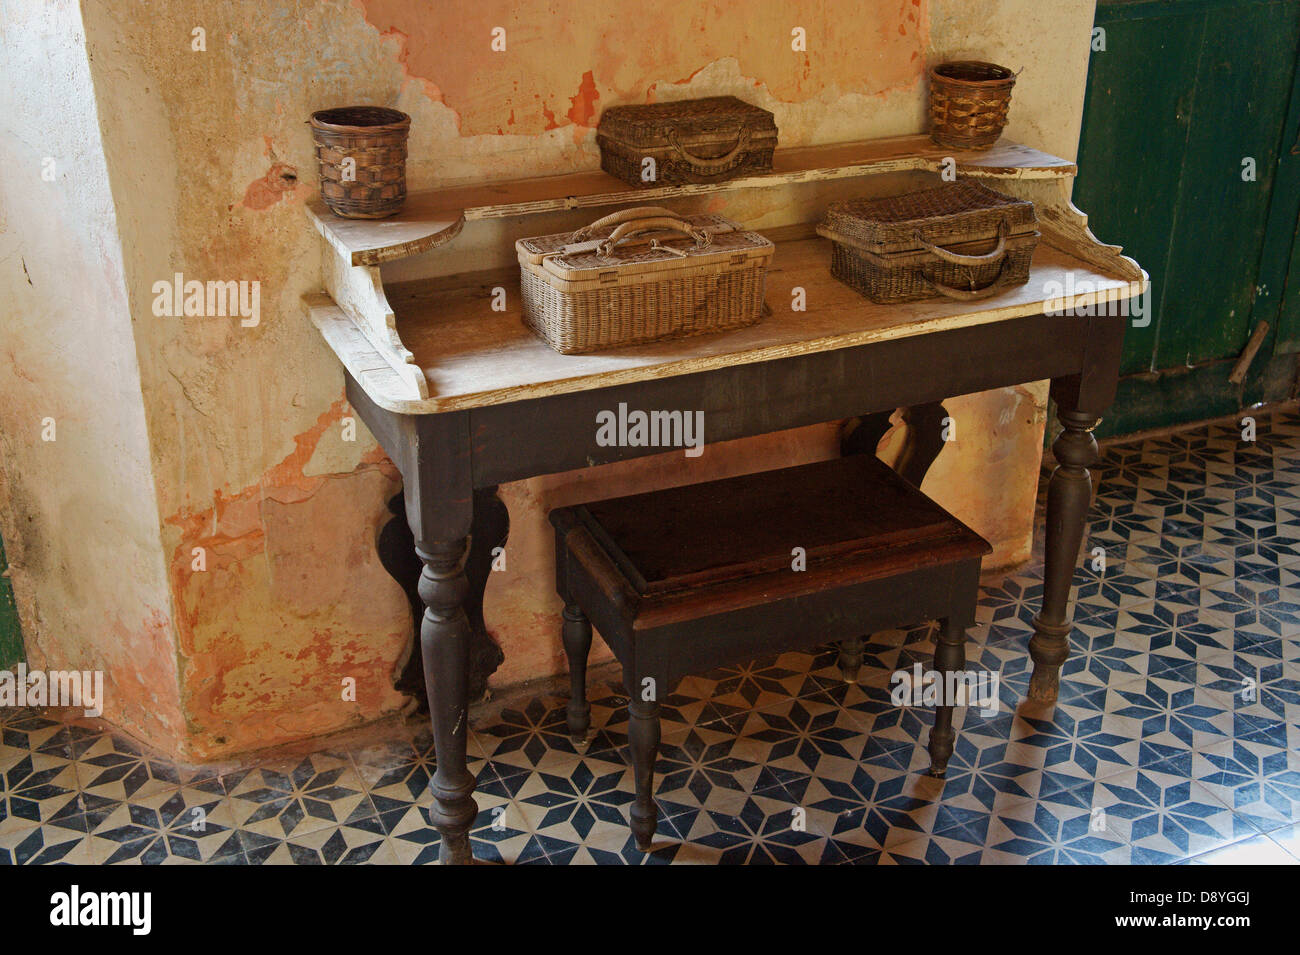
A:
(1185, 160)
(1279, 301)
(11, 638)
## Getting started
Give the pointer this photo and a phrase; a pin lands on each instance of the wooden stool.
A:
(683, 580)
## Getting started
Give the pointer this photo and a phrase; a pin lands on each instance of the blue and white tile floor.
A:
(1153, 754)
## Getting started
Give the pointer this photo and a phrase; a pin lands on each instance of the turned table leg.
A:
(396, 547)
(1069, 494)
(444, 643)
(432, 451)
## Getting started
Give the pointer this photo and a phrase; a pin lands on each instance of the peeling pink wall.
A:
(243, 430)
(565, 63)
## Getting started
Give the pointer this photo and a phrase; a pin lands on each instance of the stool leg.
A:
(576, 634)
(949, 656)
(851, 658)
(643, 740)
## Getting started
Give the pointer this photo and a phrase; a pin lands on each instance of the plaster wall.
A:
(239, 431)
(77, 507)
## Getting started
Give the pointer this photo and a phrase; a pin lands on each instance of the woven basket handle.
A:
(623, 215)
(710, 167)
(629, 229)
(957, 259)
(968, 295)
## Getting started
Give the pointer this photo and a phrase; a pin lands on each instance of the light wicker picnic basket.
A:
(642, 275)
(960, 240)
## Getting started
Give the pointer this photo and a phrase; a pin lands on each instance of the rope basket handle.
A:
(623, 215)
(710, 167)
(957, 258)
(629, 229)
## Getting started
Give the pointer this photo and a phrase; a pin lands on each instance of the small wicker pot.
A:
(968, 103)
(362, 153)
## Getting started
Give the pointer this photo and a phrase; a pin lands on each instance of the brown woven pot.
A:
(374, 138)
(968, 103)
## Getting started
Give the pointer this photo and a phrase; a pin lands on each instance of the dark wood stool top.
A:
(854, 518)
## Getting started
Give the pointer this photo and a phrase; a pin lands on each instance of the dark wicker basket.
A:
(969, 102)
(960, 240)
(967, 272)
(374, 138)
(691, 141)
(961, 211)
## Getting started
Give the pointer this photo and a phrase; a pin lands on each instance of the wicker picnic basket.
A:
(642, 275)
(960, 240)
(690, 141)
(969, 102)
(362, 153)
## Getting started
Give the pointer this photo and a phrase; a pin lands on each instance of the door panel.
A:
(1134, 133)
(1288, 325)
(1279, 298)
(1239, 105)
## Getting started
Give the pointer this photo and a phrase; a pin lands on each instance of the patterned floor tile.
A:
(178, 825)
(331, 845)
(760, 830)
(32, 730)
(1288, 837)
(1258, 781)
(296, 796)
(36, 789)
(44, 845)
(114, 768)
(523, 737)
(1259, 850)
(1162, 817)
(570, 804)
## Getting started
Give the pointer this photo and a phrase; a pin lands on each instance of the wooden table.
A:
(464, 398)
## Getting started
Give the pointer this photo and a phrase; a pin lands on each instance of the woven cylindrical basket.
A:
(968, 103)
(362, 153)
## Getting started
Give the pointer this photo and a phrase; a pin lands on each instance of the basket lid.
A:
(954, 211)
(713, 119)
(653, 249)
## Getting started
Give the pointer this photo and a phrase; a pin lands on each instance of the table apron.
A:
(556, 433)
